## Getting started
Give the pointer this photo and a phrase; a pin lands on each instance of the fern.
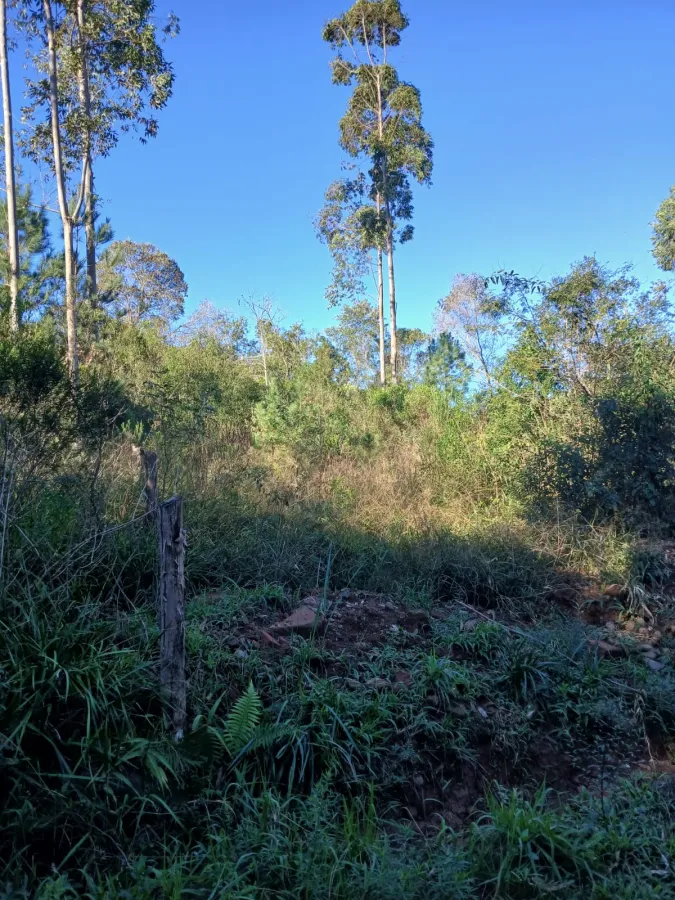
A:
(242, 720)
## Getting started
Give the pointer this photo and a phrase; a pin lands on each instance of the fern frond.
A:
(242, 720)
(265, 737)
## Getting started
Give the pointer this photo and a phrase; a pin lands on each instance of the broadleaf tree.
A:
(356, 338)
(413, 344)
(383, 121)
(350, 225)
(474, 315)
(663, 235)
(122, 79)
(140, 283)
(100, 71)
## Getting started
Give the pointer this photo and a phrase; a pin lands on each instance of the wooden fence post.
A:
(171, 600)
(148, 459)
(151, 497)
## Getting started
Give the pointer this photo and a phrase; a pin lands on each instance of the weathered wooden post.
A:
(168, 517)
(149, 460)
(171, 604)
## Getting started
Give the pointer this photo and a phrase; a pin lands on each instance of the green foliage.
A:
(74, 726)
(413, 346)
(306, 793)
(594, 847)
(129, 76)
(383, 127)
(242, 720)
(582, 404)
(311, 419)
(532, 437)
(663, 236)
(40, 415)
(446, 368)
(383, 118)
(356, 339)
(208, 326)
(138, 283)
(350, 226)
(37, 267)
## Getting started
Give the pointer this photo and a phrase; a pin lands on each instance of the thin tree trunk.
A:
(380, 315)
(72, 350)
(90, 232)
(71, 291)
(89, 198)
(12, 230)
(392, 307)
(380, 299)
(390, 252)
(171, 602)
(264, 356)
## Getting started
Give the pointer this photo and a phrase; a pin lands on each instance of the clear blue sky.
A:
(553, 126)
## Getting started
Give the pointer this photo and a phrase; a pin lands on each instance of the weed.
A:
(522, 849)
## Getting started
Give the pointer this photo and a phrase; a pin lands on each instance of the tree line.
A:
(99, 70)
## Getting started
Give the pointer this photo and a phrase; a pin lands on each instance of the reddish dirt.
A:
(352, 622)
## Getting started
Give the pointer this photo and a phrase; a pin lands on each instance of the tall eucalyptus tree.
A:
(383, 121)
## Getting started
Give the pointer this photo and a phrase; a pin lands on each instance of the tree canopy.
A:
(141, 283)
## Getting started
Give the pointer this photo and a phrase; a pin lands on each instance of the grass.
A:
(314, 774)
(591, 847)
(431, 753)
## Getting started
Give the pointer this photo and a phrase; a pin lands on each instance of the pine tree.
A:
(37, 269)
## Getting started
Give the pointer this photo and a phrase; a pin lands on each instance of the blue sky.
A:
(553, 127)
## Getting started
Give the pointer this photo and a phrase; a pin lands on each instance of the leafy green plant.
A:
(242, 720)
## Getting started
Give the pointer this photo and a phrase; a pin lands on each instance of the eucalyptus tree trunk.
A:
(380, 303)
(392, 306)
(66, 218)
(89, 198)
(380, 315)
(12, 230)
(90, 232)
(390, 241)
